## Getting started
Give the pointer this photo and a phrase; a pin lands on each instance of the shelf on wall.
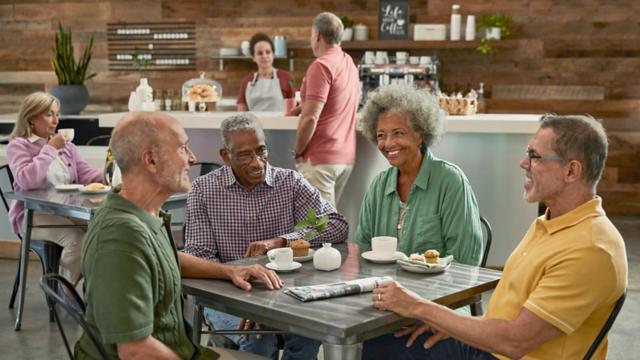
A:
(222, 58)
(410, 44)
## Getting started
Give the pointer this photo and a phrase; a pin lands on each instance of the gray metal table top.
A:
(343, 320)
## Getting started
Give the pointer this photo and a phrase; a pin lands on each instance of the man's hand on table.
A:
(261, 247)
(242, 275)
(246, 324)
(394, 297)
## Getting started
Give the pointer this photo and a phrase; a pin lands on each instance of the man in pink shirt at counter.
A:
(325, 148)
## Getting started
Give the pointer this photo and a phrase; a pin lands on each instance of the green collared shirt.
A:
(132, 281)
(442, 212)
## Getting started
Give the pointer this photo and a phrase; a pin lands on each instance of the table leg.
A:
(342, 352)
(197, 322)
(24, 263)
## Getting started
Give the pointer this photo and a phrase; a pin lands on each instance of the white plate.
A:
(84, 190)
(294, 266)
(305, 258)
(69, 187)
(371, 256)
(422, 268)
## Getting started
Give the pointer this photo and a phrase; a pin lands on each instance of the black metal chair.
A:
(606, 327)
(104, 139)
(47, 251)
(207, 167)
(475, 302)
(476, 307)
(49, 284)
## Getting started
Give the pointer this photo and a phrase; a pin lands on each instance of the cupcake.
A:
(432, 256)
(300, 248)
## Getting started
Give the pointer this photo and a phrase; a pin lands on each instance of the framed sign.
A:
(393, 20)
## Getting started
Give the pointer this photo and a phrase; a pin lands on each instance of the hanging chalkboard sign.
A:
(393, 21)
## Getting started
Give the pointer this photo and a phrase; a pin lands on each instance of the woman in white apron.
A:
(265, 89)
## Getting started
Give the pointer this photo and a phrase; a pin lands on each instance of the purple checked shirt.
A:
(223, 217)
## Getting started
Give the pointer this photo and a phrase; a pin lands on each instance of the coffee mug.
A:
(67, 133)
(414, 60)
(282, 257)
(369, 57)
(384, 247)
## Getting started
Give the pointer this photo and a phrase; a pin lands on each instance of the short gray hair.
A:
(33, 105)
(135, 133)
(420, 107)
(244, 121)
(580, 137)
(329, 26)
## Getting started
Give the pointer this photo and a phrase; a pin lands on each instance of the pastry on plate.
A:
(415, 257)
(432, 256)
(95, 187)
(300, 247)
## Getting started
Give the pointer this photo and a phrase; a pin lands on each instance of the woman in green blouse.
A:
(426, 202)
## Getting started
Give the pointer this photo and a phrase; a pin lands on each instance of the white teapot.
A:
(327, 258)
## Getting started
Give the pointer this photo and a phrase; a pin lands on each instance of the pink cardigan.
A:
(29, 162)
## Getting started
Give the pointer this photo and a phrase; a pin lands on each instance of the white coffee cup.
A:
(67, 133)
(414, 60)
(369, 57)
(425, 60)
(245, 47)
(381, 58)
(384, 247)
(282, 257)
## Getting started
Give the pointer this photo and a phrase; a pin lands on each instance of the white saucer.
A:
(294, 266)
(374, 258)
(308, 257)
(422, 268)
(69, 187)
(84, 190)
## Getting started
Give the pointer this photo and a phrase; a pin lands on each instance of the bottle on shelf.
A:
(168, 106)
(159, 100)
(482, 104)
(456, 23)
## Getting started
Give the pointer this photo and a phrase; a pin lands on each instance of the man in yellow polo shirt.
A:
(558, 286)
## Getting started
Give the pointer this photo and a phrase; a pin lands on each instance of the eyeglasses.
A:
(531, 154)
(246, 156)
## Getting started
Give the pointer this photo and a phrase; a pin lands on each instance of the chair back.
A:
(49, 284)
(6, 184)
(606, 327)
(207, 167)
(488, 237)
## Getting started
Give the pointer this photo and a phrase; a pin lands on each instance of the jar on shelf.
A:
(205, 92)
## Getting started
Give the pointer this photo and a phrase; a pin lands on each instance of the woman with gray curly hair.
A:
(426, 202)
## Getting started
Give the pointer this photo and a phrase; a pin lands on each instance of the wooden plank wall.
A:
(573, 43)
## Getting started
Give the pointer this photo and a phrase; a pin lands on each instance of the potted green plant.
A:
(312, 225)
(71, 92)
(347, 23)
(494, 27)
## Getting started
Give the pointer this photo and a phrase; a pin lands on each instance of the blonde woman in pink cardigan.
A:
(39, 159)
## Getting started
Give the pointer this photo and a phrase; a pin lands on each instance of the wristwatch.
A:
(294, 154)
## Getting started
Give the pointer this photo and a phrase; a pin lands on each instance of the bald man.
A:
(131, 267)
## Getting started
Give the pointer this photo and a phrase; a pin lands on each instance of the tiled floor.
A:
(40, 339)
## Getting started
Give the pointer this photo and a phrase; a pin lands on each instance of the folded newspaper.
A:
(324, 291)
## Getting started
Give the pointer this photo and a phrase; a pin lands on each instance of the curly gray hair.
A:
(243, 121)
(421, 108)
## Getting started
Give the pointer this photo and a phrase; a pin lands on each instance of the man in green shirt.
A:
(131, 267)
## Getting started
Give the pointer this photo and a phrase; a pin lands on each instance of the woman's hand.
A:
(58, 141)
(394, 297)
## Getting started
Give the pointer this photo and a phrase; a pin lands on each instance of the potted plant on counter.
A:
(71, 92)
(347, 23)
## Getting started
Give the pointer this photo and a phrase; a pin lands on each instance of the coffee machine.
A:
(423, 75)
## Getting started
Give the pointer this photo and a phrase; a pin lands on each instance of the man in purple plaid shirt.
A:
(247, 208)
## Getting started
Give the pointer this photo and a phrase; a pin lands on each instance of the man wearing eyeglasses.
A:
(247, 208)
(558, 286)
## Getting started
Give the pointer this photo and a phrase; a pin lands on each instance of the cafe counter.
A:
(487, 147)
